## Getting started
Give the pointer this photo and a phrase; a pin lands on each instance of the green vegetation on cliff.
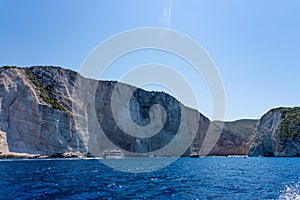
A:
(290, 126)
(9, 67)
(44, 92)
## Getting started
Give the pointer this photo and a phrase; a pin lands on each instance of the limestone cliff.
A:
(277, 134)
(235, 137)
(51, 111)
(33, 115)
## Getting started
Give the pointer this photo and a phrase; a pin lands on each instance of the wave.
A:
(291, 192)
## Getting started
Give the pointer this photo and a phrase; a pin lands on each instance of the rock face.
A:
(235, 137)
(31, 118)
(277, 134)
(50, 111)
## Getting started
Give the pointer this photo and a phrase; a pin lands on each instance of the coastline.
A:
(25, 156)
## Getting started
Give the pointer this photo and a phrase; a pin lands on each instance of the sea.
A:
(185, 178)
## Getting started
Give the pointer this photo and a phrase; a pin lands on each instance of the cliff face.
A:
(39, 115)
(277, 134)
(31, 119)
(50, 111)
(235, 137)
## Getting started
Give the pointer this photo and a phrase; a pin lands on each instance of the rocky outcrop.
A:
(277, 134)
(3, 143)
(54, 112)
(50, 111)
(244, 127)
(235, 137)
(33, 117)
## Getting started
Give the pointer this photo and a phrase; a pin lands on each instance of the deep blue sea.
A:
(186, 178)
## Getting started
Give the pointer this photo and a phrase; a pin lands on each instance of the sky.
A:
(255, 44)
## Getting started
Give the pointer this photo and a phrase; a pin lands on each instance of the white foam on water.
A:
(291, 192)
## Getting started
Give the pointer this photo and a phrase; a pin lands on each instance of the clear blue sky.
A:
(255, 44)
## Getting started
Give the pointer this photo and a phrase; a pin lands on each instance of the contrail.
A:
(169, 14)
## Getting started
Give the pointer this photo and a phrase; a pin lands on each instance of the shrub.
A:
(10, 67)
(44, 92)
(290, 126)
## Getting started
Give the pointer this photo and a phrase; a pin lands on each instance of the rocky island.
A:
(277, 134)
(39, 117)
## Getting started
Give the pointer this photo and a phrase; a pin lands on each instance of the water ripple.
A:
(204, 178)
